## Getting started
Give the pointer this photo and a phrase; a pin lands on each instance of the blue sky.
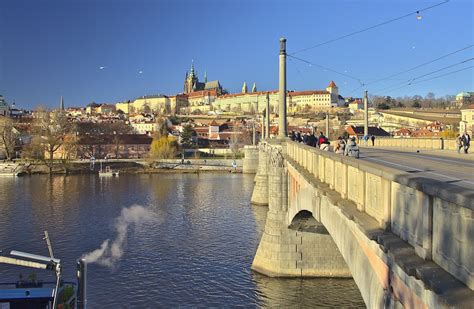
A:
(53, 48)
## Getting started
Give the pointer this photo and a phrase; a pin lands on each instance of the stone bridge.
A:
(406, 240)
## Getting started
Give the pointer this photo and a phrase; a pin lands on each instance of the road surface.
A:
(453, 170)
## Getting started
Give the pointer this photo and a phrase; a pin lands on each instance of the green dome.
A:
(463, 94)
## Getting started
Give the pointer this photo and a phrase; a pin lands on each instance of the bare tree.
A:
(8, 136)
(52, 128)
(103, 133)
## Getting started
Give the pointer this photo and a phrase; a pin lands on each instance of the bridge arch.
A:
(304, 221)
(368, 270)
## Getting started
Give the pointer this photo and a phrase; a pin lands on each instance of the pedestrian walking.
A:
(372, 138)
(466, 142)
(459, 144)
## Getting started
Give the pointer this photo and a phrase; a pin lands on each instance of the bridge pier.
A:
(250, 164)
(285, 252)
(260, 191)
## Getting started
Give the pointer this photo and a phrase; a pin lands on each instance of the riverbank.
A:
(127, 166)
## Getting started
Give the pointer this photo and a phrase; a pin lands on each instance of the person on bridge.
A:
(352, 150)
(466, 142)
(340, 146)
(312, 140)
(323, 142)
(459, 143)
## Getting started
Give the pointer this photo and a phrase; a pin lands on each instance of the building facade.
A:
(311, 100)
(467, 120)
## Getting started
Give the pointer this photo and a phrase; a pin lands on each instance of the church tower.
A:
(334, 91)
(61, 105)
(191, 80)
(244, 88)
(332, 88)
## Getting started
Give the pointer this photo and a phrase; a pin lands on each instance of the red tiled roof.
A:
(403, 131)
(307, 92)
(332, 84)
(202, 93)
(249, 94)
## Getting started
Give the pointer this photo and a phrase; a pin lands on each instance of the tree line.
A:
(416, 101)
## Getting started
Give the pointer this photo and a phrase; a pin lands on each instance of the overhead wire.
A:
(449, 73)
(411, 80)
(417, 12)
(413, 68)
(397, 87)
(298, 70)
(326, 68)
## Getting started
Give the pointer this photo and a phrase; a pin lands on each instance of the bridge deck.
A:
(455, 170)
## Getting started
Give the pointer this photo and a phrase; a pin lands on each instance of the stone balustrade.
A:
(420, 143)
(436, 218)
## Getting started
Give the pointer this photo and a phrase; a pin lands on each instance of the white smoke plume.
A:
(110, 252)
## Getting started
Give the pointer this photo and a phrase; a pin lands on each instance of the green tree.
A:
(187, 136)
(383, 105)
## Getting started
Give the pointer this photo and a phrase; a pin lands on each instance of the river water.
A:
(195, 250)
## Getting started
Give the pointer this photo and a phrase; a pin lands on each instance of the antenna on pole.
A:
(58, 269)
(48, 243)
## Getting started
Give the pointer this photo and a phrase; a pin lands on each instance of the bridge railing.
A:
(419, 143)
(435, 218)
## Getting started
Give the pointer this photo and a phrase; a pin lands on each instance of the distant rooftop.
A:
(153, 96)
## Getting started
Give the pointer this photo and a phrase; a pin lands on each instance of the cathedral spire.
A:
(244, 88)
(192, 67)
(61, 107)
(254, 87)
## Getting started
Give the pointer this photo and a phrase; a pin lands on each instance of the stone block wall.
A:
(435, 218)
(250, 162)
(453, 233)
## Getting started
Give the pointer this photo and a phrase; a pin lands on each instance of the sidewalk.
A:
(434, 152)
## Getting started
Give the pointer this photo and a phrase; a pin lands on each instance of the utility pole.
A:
(327, 125)
(366, 114)
(253, 131)
(267, 117)
(282, 128)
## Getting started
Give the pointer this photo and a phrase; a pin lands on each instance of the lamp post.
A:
(282, 127)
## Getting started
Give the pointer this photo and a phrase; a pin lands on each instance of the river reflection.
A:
(197, 253)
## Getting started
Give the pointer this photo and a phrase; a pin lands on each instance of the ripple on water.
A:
(197, 253)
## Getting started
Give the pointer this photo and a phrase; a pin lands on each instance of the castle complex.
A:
(192, 83)
(203, 97)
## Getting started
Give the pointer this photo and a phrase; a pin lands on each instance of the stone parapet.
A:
(435, 218)
(389, 271)
(418, 143)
